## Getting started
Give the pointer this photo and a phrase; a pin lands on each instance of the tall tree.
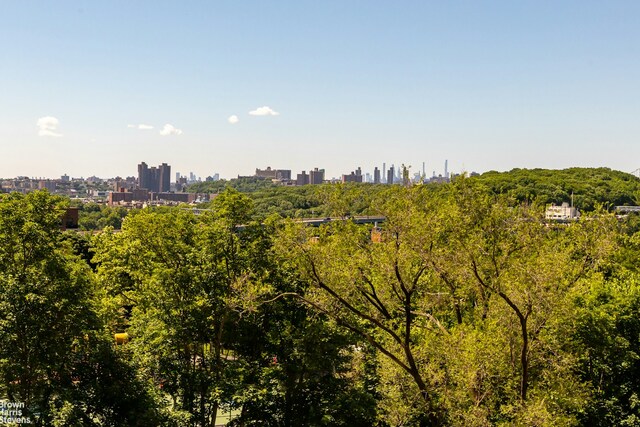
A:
(55, 357)
(173, 280)
(44, 296)
(380, 291)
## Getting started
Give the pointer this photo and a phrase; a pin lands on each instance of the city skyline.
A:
(90, 89)
(156, 173)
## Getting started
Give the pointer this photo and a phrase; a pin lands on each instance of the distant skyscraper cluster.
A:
(396, 175)
(392, 175)
(153, 186)
(158, 179)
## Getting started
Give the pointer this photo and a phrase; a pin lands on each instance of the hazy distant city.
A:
(158, 185)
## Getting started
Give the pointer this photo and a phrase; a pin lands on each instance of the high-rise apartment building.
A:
(302, 178)
(280, 174)
(143, 173)
(390, 175)
(316, 176)
(154, 179)
(164, 178)
(353, 176)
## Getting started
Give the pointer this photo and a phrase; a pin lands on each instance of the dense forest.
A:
(589, 186)
(463, 308)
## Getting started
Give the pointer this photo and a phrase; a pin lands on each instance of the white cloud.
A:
(170, 130)
(264, 111)
(140, 126)
(48, 126)
(233, 119)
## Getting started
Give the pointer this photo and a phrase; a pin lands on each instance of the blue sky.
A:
(486, 85)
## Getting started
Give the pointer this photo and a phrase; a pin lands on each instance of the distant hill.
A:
(589, 186)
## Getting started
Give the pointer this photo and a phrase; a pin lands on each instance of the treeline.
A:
(588, 186)
(463, 309)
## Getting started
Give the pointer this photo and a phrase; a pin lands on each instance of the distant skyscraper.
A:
(446, 168)
(154, 179)
(353, 176)
(177, 176)
(143, 173)
(316, 176)
(376, 175)
(164, 178)
(390, 175)
(384, 172)
(302, 178)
